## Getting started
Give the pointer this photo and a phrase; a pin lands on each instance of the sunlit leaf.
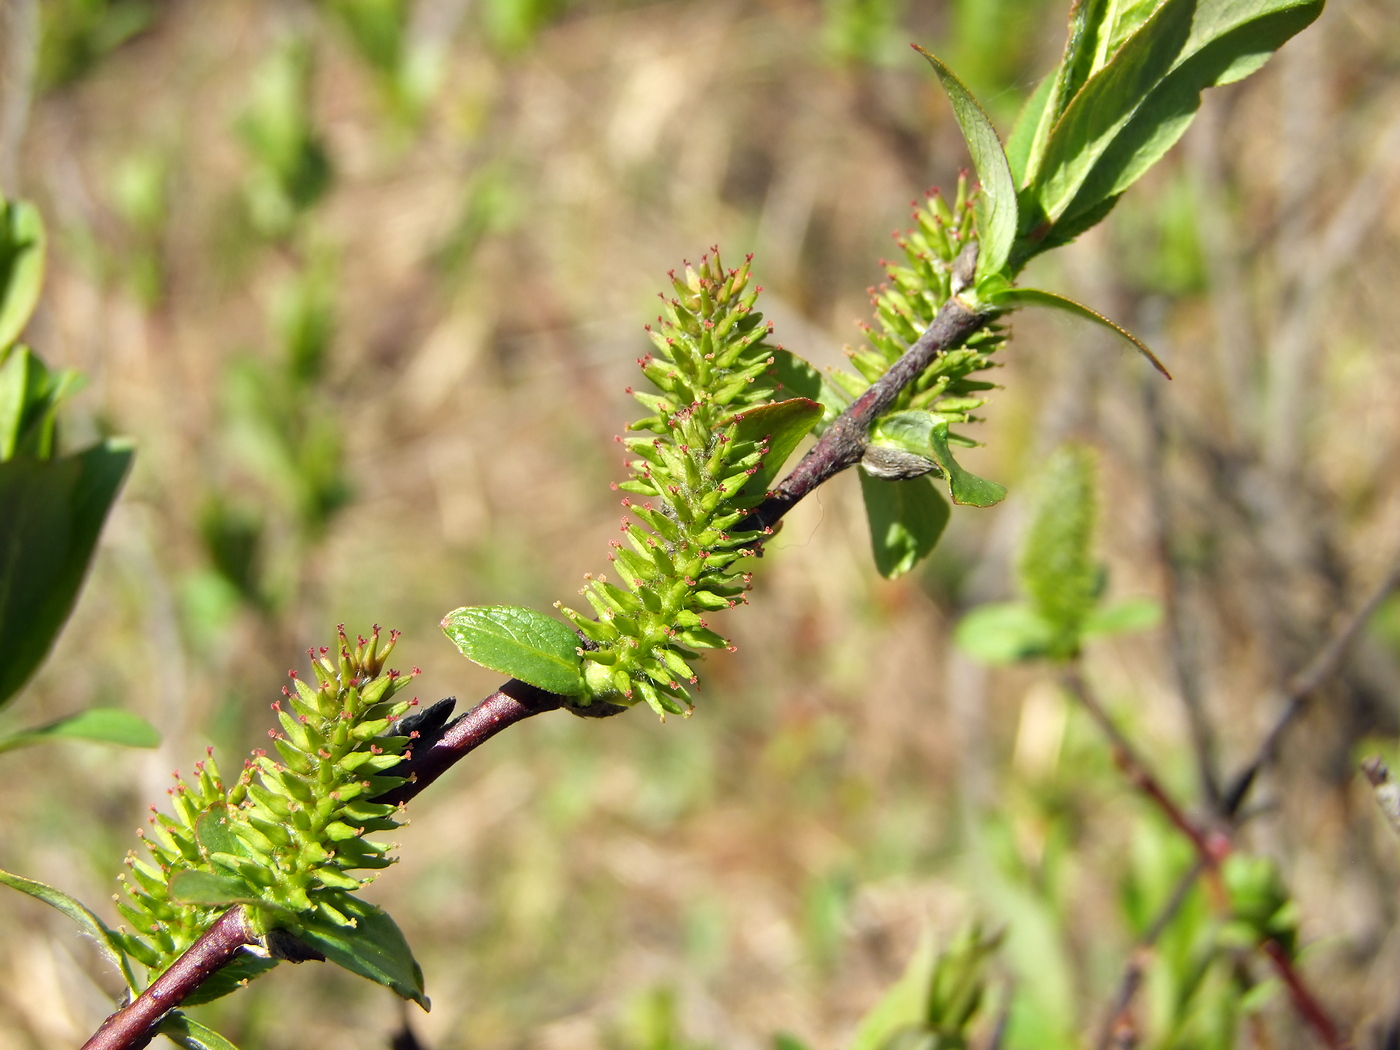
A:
(203, 887)
(995, 207)
(1018, 297)
(1003, 633)
(374, 947)
(965, 487)
(520, 642)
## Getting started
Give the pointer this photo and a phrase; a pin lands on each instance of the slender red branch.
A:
(133, 1026)
(1303, 999)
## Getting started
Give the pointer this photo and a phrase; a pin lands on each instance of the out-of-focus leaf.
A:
(51, 513)
(1017, 297)
(185, 1031)
(22, 252)
(104, 725)
(1003, 633)
(903, 1005)
(522, 643)
(374, 947)
(29, 398)
(94, 927)
(1057, 568)
(783, 424)
(1137, 614)
(995, 207)
(906, 520)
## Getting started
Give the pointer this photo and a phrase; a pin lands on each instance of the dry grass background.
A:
(769, 863)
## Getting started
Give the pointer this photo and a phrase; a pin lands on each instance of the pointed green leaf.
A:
(967, 489)
(185, 1031)
(50, 515)
(1131, 110)
(1003, 633)
(206, 888)
(906, 520)
(1135, 614)
(995, 207)
(94, 927)
(1013, 298)
(783, 424)
(1032, 128)
(374, 947)
(215, 836)
(22, 250)
(522, 643)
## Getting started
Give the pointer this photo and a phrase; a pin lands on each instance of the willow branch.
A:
(840, 446)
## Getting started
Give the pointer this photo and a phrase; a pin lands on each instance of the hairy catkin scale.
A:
(289, 832)
(907, 304)
(678, 560)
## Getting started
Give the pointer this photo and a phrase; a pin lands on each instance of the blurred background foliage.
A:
(365, 280)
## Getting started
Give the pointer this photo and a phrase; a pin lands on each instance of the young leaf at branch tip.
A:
(996, 204)
(1144, 85)
(1014, 298)
(520, 642)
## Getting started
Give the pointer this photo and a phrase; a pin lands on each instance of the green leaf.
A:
(783, 424)
(94, 927)
(1057, 567)
(185, 1031)
(1032, 127)
(902, 1005)
(1136, 614)
(29, 398)
(206, 888)
(995, 207)
(967, 489)
(1003, 633)
(906, 519)
(522, 643)
(1014, 298)
(214, 835)
(22, 250)
(373, 948)
(1131, 111)
(50, 515)
(105, 725)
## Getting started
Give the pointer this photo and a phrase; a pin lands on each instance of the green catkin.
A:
(290, 830)
(907, 304)
(678, 563)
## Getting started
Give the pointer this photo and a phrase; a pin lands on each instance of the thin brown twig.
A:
(1296, 693)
